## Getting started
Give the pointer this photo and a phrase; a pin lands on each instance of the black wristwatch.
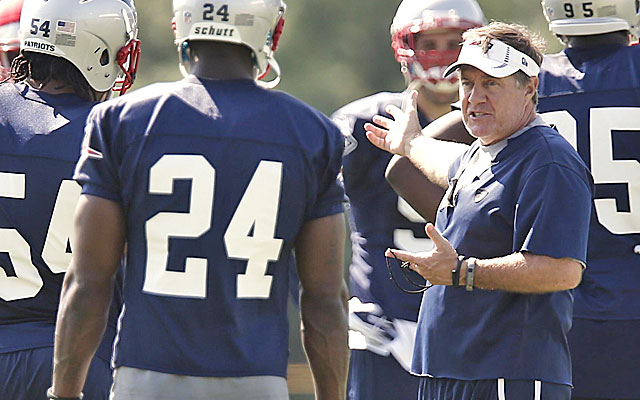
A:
(50, 395)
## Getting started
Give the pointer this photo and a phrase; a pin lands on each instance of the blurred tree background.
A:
(331, 52)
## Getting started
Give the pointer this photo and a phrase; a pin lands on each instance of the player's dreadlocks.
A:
(45, 68)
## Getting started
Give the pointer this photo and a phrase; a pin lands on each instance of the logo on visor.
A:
(524, 62)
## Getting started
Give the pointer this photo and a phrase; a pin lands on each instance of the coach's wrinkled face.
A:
(495, 108)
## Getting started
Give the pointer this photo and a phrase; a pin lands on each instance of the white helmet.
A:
(99, 37)
(256, 24)
(578, 18)
(415, 16)
(9, 27)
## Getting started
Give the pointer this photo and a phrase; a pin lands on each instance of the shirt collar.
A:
(494, 149)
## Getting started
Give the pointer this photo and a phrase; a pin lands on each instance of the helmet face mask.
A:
(577, 18)
(128, 58)
(256, 24)
(437, 17)
(97, 37)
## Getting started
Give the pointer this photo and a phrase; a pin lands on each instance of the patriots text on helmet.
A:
(39, 46)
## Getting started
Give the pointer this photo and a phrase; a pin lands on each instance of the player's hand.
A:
(435, 265)
(395, 135)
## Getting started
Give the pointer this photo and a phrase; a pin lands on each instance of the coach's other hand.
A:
(435, 265)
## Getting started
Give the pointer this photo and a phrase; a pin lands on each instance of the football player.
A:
(9, 27)
(213, 181)
(425, 37)
(591, 92)
(71, 55)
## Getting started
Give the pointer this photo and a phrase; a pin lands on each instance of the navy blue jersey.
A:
(393, 225)
(40, 137)
(216, 178)
(519, 203)
(594, 99)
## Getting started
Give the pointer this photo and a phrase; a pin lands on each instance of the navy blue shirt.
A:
(521, 202)
(216, 179)
(40, 137)
(593, 96)
(394, 224)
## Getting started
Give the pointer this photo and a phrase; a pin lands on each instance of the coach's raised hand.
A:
(394, 135)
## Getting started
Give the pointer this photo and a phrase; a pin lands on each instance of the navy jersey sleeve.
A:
(330, 192)
(96, 171)
(553, 213)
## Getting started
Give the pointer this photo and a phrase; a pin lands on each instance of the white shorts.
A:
(140, 384)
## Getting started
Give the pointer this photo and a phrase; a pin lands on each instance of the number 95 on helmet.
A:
(99, 37)
(593, 17)
(256, 24)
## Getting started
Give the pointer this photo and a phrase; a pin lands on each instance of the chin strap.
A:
(185, 61)
(272, 66)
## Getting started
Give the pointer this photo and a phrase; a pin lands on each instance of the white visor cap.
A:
(500, 61)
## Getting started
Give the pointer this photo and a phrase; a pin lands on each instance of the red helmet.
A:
(416, 16)
(9, 28)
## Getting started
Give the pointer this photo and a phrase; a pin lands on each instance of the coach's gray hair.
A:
(516, 36)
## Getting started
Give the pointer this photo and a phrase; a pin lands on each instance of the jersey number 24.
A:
(249, 236)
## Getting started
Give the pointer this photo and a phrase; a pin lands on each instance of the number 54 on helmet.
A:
(99, 37)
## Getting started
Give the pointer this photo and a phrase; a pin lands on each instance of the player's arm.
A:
(410, 183)
(86, 291)
(323, 303)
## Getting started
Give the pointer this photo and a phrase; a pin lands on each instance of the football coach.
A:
(511, 231)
